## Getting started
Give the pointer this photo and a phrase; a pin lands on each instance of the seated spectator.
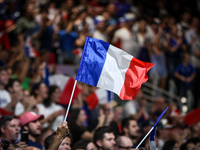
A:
(104, 138)
(123, 142)
(84, 144)
(64, 145)
(9, 128)
(76, 122)
(185, 72)
(30, 122)
(130, 129)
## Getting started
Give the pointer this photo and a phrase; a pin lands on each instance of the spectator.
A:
(170, 145)
(123, 142)
(185, 72)
(136, 108)
(5, 98)
(84, 144)
(16, 93)
(130, 129)
(64, 145)
(30, 122)
(104, 138)
(9, 128)
(76, 121)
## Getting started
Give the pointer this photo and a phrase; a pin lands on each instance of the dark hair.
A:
(125, 122)
(3, 68)
(99, 133)
(4, 121)
(193, 140)
(11, 83)
(5, 144)
(52, 89)
(73, 117)
(36, 86)
(81, 144)
(169, 145)
(49, 140)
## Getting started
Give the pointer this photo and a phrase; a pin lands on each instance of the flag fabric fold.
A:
(111, 68)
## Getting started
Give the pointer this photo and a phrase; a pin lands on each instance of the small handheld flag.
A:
(152, 127)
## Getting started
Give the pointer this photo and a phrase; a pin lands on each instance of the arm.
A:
(180, 77)
(61, 133)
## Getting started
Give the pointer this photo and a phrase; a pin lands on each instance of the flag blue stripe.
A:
(92, 61)
(152, 135)
(160, 116)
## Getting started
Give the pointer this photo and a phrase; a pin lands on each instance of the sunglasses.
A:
(5, 145)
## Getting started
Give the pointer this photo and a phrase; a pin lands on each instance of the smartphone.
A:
(24, 137)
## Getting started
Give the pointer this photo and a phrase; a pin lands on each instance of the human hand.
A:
(101, 117)
(63, 130)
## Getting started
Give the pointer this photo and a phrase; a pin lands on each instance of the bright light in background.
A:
(183, 100)
(184, 108)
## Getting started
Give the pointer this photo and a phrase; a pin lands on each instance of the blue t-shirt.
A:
(35, 144)
(185, 71)
(67, 40)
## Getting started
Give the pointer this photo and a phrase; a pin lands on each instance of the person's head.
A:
(9, 128)
(130, 127)
(85, 145)
(178, 121)
(186, 58)
(174, 30)
(107, 108)
(14, 88)
(193, 143)
(104, 138)
(139, 96)
(40, 90)
(170, 145)
(195, 22)
(77, 117)
(129, 18)
(65, 144)
(9, 72)
(3, 76)
(123, 143)
(118, 110)
(54, 94)
(147, 125)
(30, 122)
(142, 26)
(100, 22)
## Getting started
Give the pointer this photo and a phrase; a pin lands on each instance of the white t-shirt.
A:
(47, 111)
(19, 109)
(128, 41)
(5, 98)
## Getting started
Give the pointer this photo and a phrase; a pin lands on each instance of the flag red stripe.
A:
(92, 100)
(135, 76)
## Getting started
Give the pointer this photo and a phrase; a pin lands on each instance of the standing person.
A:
(185, 72)
(5, 98)
(104, 138)
(30, 122)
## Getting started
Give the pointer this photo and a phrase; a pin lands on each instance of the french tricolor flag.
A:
(111, 68)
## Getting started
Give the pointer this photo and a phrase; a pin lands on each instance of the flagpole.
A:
(152, 127)
(70, 100)
(144, 137)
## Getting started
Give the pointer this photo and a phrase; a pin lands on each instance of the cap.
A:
(156, 21)
(29, 117)
(147, 123)
(99, 19)
(129, 16)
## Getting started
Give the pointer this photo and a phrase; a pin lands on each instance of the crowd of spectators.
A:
(38, 38)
